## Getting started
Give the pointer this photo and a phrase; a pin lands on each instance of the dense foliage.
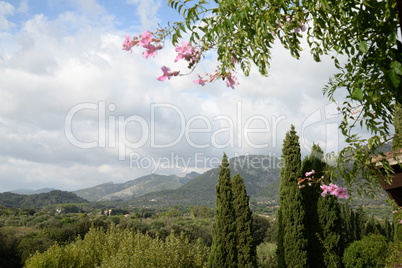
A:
(246, 248)
(292, 242)
(368, 252)
(224, 248)
(25, 231)
(323, 219)
(8, 199)
(123, 248)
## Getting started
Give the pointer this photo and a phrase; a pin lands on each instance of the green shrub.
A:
(366, 253)
(394, 256)
(266, 255)
(122, 248)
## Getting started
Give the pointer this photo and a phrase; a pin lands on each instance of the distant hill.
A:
(30, 191)
(260, 174)
(134, 188)
(8, 199)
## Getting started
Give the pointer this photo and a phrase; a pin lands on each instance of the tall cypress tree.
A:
(246, 248)
(330, 233)
(293, 243)
(311, 195)
(223, 250)
(323, 219)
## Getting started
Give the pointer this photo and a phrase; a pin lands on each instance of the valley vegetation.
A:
(300, 228)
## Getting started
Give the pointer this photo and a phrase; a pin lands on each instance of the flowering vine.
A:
(185, 51)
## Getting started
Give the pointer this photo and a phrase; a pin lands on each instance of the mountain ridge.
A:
(134, 188)
(258, 171)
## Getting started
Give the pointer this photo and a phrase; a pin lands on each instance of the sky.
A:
(78, 111)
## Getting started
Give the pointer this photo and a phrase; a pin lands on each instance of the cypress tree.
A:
(223, 250)
(330, 234)
(323, 220)
(293, 243)
(246, 248)
(280, 250)
(348, 219)
(311, 195)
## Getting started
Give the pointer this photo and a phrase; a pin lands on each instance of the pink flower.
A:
(400, 221)
(335, 190)
(167, 73)
(152, 51)
(187, 52)
(308, 174)
(341, 193)
(200, 81)
(324, 189)
(146, 38)
(395, 211)
(304, 28)
(231, 81)
(332, 188)
(127, 44)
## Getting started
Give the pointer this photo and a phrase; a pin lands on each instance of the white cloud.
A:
(147, 10)
(6, 9)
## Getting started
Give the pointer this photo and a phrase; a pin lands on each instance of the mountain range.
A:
(260, 174)
(30, 191)
(134, 188)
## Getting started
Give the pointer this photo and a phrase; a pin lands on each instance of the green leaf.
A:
(395, 79)
(363, 47)
(357, 94)
(397, 67)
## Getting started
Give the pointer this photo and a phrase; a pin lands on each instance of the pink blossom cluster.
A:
(185, 51)
(331, 189)
(147, 41)
(189, 53)
(335, 190)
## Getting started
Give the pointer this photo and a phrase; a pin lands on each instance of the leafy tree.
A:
(201, 212)
(224, 249)
(368, 252)
(246, 248)
(292, 242)
(9, 256)
(123, 248)
(361, 37)
(263, 229)
(397, 141)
